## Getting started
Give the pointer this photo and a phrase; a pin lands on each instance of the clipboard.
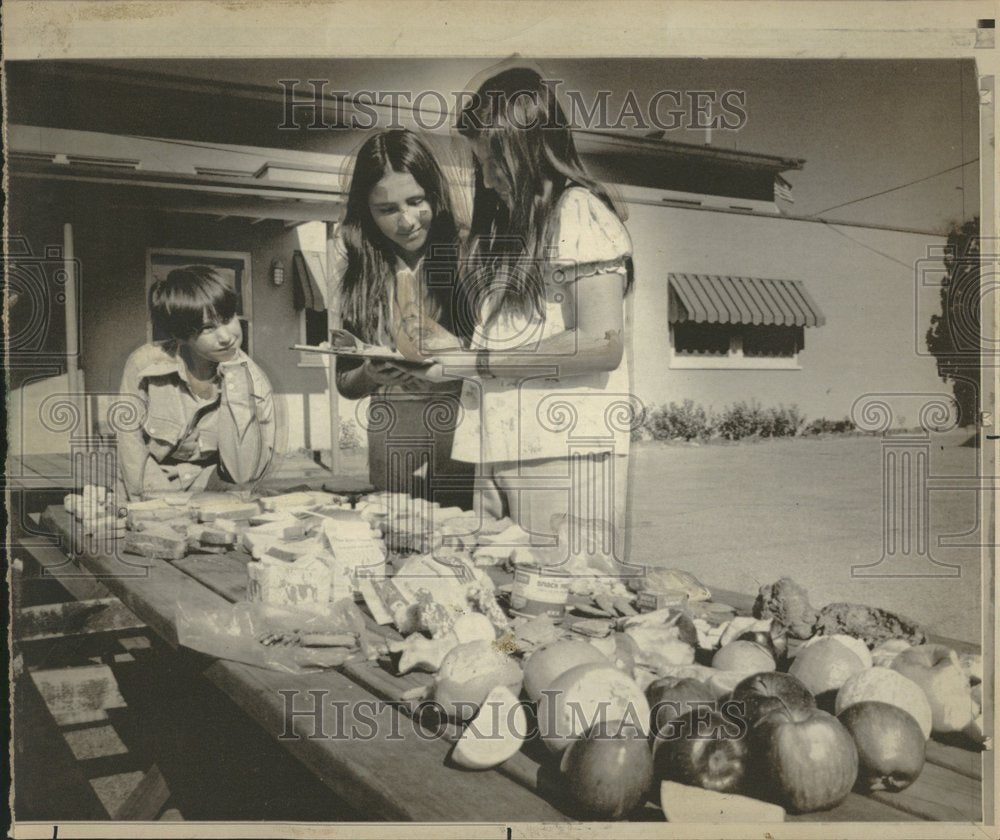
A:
(365, 352)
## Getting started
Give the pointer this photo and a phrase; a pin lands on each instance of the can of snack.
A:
(539, 591)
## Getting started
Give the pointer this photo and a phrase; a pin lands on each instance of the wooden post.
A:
(73, 376)
(332, 320)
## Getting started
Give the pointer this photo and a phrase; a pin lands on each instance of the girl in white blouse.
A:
(547, 409)
(395, 260)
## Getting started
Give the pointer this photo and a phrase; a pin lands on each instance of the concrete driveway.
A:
(746, 514)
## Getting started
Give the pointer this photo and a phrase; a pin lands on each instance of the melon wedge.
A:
(495, 734)
(689, 804)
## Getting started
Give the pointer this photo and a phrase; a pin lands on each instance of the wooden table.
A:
(408, 778)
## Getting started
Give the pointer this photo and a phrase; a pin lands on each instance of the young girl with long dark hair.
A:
(397, 251)
(547, 413)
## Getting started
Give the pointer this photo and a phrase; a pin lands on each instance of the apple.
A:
(586, 696)
(551, 660)
(468, 673)
(769, 690)
(608, 771)
(703, 748)
(890, 744)
(671, 697)
(804, 759)
(742, 655)
(887, 685)
(937, 670)
(824, 665)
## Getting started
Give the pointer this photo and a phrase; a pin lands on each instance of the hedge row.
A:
(735, 422)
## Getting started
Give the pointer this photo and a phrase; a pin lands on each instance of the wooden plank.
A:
(967, 762)
(395, 777)
(50, 785)
(147, 800)
(938, 794)
(53, 564)
(73, 618)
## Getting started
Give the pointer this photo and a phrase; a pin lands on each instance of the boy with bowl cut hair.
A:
(204, 410)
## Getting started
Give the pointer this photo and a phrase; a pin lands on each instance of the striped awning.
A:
(310, 280)
(713, 299)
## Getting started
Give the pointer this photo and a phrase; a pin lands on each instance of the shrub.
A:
(350, 435)
(685, 422)
(742, 420)
(822, 426)
(782, 422)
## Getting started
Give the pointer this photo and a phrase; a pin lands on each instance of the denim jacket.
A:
(176, 440)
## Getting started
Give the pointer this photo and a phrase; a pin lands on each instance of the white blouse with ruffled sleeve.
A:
(507, 420)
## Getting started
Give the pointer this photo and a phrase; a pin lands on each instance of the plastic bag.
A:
(233, 632)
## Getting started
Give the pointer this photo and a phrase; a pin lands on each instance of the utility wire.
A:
(900, 187)
(830, 226)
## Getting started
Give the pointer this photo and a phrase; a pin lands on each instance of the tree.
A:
(954, 335)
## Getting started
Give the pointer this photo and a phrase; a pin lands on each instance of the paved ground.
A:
(742, 515)
(739, 516)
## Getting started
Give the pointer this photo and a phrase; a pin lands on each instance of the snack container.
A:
(539, 591)
(650, 601)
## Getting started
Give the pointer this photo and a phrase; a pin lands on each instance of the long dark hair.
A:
(369, 281)
(530, 140)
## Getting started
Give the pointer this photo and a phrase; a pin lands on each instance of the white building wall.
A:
(877, 289)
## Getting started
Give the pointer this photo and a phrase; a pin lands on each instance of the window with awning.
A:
(720, 320)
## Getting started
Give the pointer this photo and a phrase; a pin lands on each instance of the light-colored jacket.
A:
(175, 440)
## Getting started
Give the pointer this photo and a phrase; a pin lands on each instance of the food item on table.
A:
(890, 745)
(585, 696)
(214, 536)
(670, 580)
(533, 633)
(851, 642)
(468, 673)
(887, 685)
(761, 694)
(473, 626)
(608, 771)
(823, 667)
(872, 624)
(744, 656)
(226, 509)
(663, 638)
(305, 498)
(155, 510)
(423, 654)
(788, 604)
(306, 582)
(289, 551)
(671, 697)
(741, 625)
(723, 683)
(286, 529)
(704, 748)
(550, 661)
(689, 804)
(883, 654)
(937, 670)
(972, 666)
(157, 541)
(495, 734)
(322, 657)
(805, 760)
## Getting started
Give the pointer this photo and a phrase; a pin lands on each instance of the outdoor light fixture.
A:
(277, 272)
